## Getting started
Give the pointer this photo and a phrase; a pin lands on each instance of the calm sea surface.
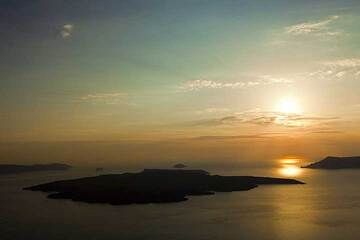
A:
(327, 207)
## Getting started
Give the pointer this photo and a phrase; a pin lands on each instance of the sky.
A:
(223, 83)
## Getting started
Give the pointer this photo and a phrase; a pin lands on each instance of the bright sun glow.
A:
(289, 166)
(289, 105)
(290, 170)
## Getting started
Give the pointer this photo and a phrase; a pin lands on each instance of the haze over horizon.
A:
(208, 83)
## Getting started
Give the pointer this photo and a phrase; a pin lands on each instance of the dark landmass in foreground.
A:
(151, 186)
(11, 169)
(336, 163)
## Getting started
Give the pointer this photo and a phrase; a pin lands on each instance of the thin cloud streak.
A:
(327, 132)
(339, 70)
(264, 119)
(107, 98)
(231, 137)
(200, 84)
(314, 28)
(67, 31)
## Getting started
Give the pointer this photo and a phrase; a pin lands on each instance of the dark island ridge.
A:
(12, 168)
(151, 186)
(336, 163)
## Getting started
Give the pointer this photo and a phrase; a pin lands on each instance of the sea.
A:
(326, 207)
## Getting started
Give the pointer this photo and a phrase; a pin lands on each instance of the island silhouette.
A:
(151, 186)
(331, 162)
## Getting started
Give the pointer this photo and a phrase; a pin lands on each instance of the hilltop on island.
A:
(336, 163)
(179, 165)
(12, 168)
(151, 186)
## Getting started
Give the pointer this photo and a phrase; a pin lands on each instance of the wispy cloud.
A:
(287, 120)
(231, 137)
(338, 69)
(265, 118)
(326, 132)
(67, 30)
(212, 110)
(314, 28)
(254, 137)
(348, 63)
(107, 98)
(199, 84)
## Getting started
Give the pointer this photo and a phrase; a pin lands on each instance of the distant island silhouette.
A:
(331, 162)
(12, 168)
(151, 186)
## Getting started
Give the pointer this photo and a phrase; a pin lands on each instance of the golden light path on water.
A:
(289, 166)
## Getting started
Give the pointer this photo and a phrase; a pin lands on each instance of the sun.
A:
(289, 105)
(290, 166)
(290, 170)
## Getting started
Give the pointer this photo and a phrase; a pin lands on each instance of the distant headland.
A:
(12, 169)
(151, 186)
(336, 163)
